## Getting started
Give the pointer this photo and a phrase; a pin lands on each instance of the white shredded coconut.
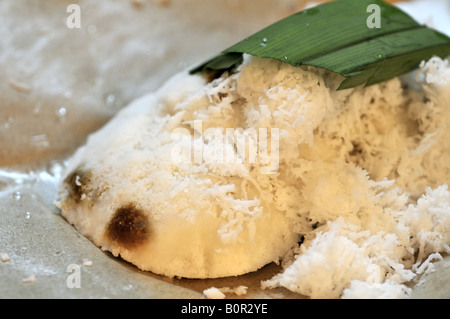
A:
(219, 293)
(213, 293)
(239, 290)
(375, 180)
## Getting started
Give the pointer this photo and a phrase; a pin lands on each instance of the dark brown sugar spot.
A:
(128, 227)
(77, 183)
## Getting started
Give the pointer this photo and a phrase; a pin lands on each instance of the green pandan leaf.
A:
(341, 36)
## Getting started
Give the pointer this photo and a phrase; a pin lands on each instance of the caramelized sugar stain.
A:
(128, 227)
(78, 183)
